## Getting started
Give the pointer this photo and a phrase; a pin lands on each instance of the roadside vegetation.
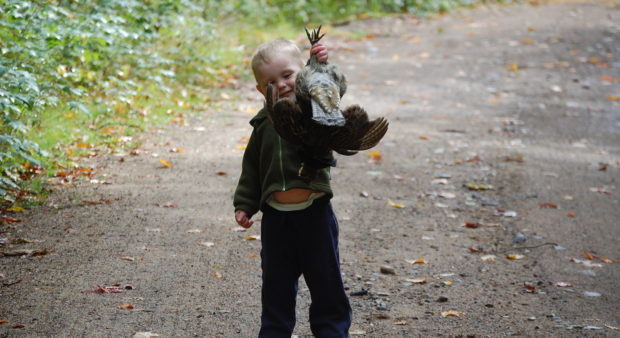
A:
(80, 78)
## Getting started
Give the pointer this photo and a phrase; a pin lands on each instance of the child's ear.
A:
(260, 89)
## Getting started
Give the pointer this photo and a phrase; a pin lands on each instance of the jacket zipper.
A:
(281, 164)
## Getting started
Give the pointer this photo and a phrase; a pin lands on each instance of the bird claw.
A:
(272, 96)
(314, 37)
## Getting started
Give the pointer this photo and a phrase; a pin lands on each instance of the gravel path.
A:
(500, 166)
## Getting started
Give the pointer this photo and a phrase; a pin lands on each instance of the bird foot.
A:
(314, 37)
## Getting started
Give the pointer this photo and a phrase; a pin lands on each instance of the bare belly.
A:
(292, 196)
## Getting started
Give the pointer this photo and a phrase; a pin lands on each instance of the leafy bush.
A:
(97, 62)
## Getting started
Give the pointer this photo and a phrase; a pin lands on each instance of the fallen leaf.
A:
(145, 335)
(416, 280)
(447, 195)
(548, 205)
(357, 332)
(513, 67)
(126, 306)
(488, 258)
(207, 244)
(167, 205)
(601, 190)
(400, 322)
(241, 147)
(563, 285)
(452, 313)
(375, 156)
(514, 256)
(253, 237)
(165, 163)
(591, 294)
(97, 202)
(115, 288)
(606, 260)
(24, 241)
(587, 263)
(253, 255)
(474, 186)
(18, 326)
(194, 231)
(221, 173)
(11, 220)
(2, 321)
(395, 205)
(613, 98)
(416, 261)
(514, 159)
(570, 214)
(424, 138)
(607, 78)
(25, 252)
(588, 255)
(175, 150)
(471, 225)
(218, 275)
(15, 208)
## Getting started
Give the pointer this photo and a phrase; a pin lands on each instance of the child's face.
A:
(281, 72)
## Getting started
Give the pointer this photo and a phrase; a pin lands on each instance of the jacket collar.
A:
(259, 117)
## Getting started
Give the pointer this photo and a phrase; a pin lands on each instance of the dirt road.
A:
(499, 170)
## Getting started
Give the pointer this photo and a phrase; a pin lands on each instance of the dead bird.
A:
(314, 119)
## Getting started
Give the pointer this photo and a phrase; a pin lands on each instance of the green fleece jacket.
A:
(271, 164)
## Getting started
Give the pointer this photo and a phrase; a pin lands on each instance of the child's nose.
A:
(281, 84)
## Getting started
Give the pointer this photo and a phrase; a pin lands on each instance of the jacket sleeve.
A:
(248, 193)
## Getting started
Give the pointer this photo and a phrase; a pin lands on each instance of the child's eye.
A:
(286, 76)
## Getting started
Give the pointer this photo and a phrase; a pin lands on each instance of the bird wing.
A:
(286, 117)
(358, 133)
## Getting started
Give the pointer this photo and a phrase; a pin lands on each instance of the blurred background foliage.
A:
(77, 77)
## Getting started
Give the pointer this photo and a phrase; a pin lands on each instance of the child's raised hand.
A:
(242, 219)
(320, 50)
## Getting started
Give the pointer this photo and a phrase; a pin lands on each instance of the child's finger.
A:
(317, 48)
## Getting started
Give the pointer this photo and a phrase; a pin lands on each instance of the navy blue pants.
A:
(295, 243)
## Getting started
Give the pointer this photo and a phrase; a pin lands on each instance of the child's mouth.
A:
(286, 93)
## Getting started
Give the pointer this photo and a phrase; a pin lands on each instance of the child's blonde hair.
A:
(267, 50)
